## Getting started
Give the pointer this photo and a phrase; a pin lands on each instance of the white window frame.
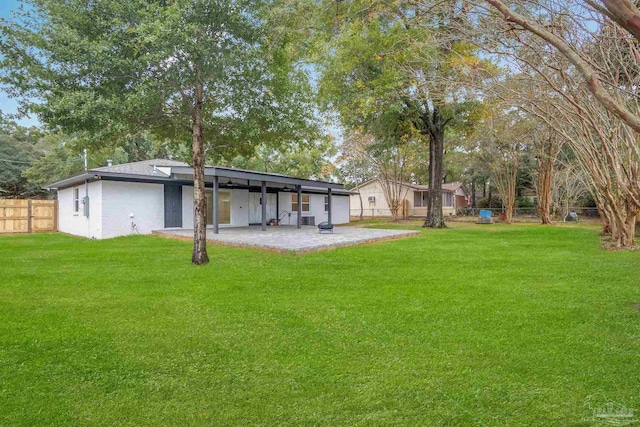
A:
(76, 200)
(294, 202)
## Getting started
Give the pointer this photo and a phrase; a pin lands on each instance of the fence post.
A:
(55, 215)
(29, 215)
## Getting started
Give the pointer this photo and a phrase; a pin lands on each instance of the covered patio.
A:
(222, 179)
(290, 238)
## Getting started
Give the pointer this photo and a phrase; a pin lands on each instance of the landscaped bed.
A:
(474, 325)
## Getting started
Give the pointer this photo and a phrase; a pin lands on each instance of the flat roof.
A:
(165, 171)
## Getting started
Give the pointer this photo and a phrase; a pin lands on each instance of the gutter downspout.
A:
(87, 206)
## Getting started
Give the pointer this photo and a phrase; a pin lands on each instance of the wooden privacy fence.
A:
(27, 216)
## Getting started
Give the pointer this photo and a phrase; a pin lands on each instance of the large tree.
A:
(388, 162)
(60, 155)
(396, 71)
(208, 73)
(308, 160)
(555, 23)
(593, 112)
(356, 166)
(503, 137)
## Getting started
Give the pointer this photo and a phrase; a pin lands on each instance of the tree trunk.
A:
(361, 206)
(630, 224)
(473, 194)
(543, 189)
(606, 224)
(394, 210)
(435, 217)
(508, 213)
(199, 256)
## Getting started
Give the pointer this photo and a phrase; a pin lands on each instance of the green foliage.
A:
(60, 156)
(496, 203)
(109, 70)
(17, 151)
(387, 67)
(122, 331)
(524, 202)
(55, 162)
(307, 160)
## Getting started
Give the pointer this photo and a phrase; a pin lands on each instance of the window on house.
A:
(76, 200)
(305, 203)
(420, 199)
(447, 199)
(417, 199)
(326, 203)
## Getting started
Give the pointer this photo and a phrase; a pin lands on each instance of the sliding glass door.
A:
(224, 207)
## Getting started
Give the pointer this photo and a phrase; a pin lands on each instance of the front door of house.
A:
(255, 208)
(172, 206)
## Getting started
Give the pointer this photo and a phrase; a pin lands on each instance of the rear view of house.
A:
(151, 195)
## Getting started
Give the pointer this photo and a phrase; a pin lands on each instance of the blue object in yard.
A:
(485, 217)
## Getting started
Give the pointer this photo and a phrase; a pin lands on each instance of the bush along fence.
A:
(529, 212)
(28, 216)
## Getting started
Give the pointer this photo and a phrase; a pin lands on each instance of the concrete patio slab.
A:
(290, 239)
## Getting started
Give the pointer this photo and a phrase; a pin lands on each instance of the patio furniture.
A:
(571, 216)
(326, 227)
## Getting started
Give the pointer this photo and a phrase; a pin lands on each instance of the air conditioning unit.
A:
(372, 199)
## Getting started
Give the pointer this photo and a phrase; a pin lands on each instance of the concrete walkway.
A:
(289, 239)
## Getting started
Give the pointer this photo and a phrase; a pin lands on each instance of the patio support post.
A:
(329, 207)
(299, 191)
(214, 208)
(263, 202)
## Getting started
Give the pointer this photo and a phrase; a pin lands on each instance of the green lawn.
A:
(494, 325)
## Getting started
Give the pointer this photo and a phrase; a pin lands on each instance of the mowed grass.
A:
(493, 325)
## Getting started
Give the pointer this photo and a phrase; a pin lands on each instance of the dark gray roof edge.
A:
(222, 171)
(93, 175)
(255, 176)
(69, 181)
(97, 175)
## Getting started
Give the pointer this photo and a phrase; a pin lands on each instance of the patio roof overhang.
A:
(236, 174)
(91, 176)
(242, 174)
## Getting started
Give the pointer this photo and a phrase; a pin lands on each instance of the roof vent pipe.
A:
(109, 162)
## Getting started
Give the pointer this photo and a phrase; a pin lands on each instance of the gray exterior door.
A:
(172, 206)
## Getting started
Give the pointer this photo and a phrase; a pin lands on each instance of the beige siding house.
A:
(375, 204)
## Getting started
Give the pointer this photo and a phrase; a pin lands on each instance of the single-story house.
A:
(157, 194)
(454, 197)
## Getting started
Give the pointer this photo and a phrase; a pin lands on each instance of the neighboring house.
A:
(157, 194)
(375, 202)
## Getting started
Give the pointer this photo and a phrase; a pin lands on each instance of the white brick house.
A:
(142, 197)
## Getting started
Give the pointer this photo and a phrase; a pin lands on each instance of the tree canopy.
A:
(207, 73)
